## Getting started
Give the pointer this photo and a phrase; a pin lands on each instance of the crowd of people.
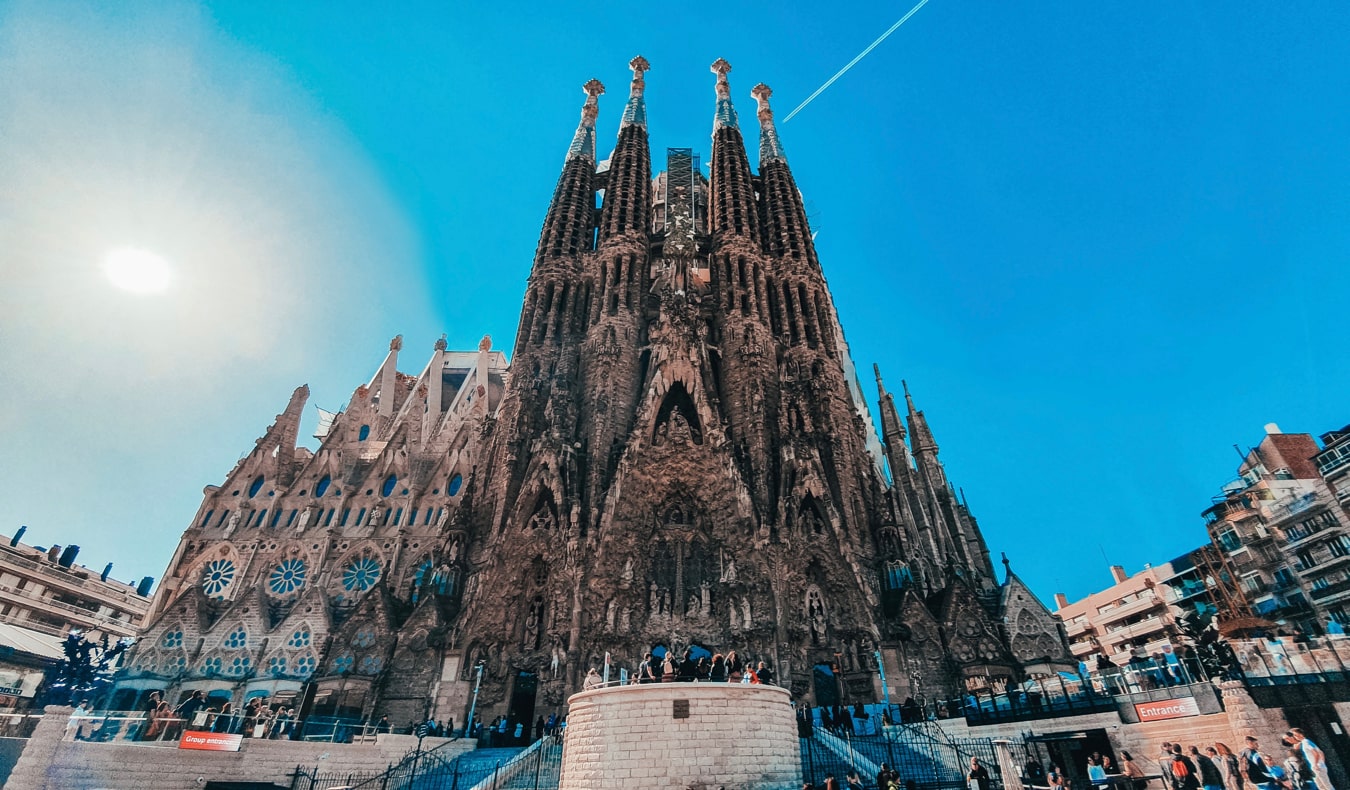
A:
(1299, 764)
(717, 668)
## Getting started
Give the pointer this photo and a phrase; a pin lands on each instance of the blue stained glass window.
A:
(212, 665)
(322, 487)
(363, 433)
(344, 663)
(237, 638)
(389, 484)
(288, 576)
(304, 665)
(361, 574)
(371, 665)
(239, 665)
(455, 483)
(173, 638)
(364, 638)
(255, 486)
(216, 576)
(300, 638)
(277, 666)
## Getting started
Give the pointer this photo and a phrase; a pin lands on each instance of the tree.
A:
(87, 670)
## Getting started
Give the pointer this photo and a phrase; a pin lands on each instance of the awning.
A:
(34, 643)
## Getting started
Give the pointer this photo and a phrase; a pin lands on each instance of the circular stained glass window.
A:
(173, 638)
(304, 665)
(344, 663)
(216, 576)
(287, 577)
(361, 574)
(277, 666)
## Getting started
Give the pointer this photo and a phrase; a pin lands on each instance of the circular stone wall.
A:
(681, 735)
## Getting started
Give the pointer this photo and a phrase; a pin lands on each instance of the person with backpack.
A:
(1254, 768)
(1211, 778)
(1185, 774)
(1298, 775)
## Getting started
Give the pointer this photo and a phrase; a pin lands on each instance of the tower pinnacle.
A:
(583, 142)
(635, 113)
(726, 114)
(770, 149)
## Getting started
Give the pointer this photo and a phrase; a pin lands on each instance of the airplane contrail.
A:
(854, 62)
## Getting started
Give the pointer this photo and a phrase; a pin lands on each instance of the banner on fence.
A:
(210, 741)
(1167, 709)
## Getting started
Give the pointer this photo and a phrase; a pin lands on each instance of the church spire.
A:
(628, 184)
(635, 113)
(922, 437)
(770, 148)
(731, 190)
(726, 113)
(583, 142)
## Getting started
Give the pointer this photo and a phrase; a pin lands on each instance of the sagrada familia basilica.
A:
(678, 455)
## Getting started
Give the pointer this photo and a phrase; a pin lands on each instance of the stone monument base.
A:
(681, 735)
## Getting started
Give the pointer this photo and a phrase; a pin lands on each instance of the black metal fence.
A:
(923, 755)
(538, 768)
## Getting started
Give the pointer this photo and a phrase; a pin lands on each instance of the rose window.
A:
(216, 576)
(173, 638)
(361, 574)
(237, 638)
(277, 666)
(239, 666)
(344, 663)
(212, 665)
(287, 577)
(304, 665)
(300, 638)
(371, 665)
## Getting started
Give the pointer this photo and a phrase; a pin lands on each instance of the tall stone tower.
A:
(680, 457)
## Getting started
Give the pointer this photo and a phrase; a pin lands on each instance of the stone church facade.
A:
(678, 455)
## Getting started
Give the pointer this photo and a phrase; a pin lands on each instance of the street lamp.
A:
(468, 725)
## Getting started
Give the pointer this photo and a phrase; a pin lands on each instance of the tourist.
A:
(646, 671)
(75, 726)
(539, 725)
(1055, 779)
(883, 776)
(1134, 772)
(1228, 766)
(592, 680)
(1185, 773)
(1211, 776)
(1298, 774)
(224, 719)
(830, 783)
(852, 781)
(1033, 772)
(1255, 767)
(669, 671)
(735, 669)
(1096, 772)
(764, 674)
(1315, 758)
(977, 778)
(718, 672)
(688, 667)
(188, 710)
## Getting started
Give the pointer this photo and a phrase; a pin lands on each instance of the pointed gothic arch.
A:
(677, 419)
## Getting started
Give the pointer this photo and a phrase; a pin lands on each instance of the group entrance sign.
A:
(1167, 709)
(210, 741)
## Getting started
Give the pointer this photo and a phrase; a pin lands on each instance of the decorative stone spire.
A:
(920, 436)
(770, 149)
(635, 114)
(726, 114)
(583, 142)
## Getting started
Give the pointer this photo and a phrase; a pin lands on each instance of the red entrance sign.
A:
(210, 741)
(1167, 709)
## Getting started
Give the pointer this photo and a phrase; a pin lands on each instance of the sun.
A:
(138, 271)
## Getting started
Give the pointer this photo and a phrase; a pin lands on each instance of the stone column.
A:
(1246, 718)
(1012, 774)
(30, 773)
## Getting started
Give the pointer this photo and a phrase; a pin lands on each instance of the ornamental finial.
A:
(583, 142)
(762, 92)
(720, 67)
(640, 66)
(591, 109)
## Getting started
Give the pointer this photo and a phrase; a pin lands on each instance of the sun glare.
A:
(138, 271)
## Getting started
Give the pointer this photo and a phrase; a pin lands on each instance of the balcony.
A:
(1125, 610)
(1188, 589)
(1330, 590)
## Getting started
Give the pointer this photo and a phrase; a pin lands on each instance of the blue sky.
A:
(1103, 243)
